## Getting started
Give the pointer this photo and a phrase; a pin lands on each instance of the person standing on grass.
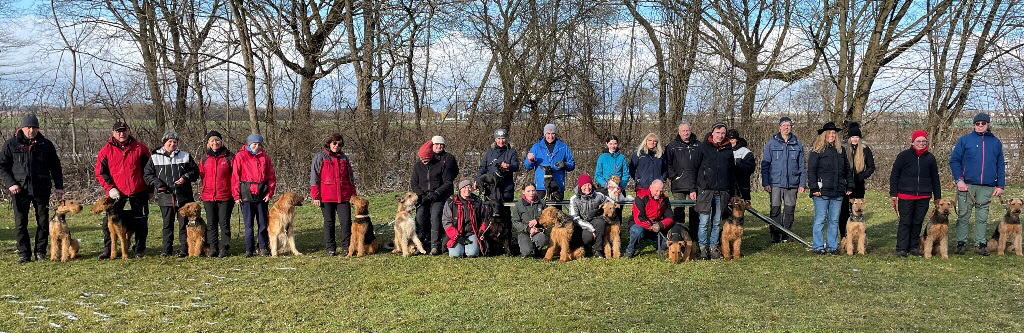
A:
(647, 163)
(501, 159)
(331, 185)
(30, 167)
(529, 232)
(830, 179)
(914, 180)
(253, 182)
(215, 192)
(611, 163)
(716, 183)
(431, 180)
(585, 210)
(862, 161)
(783, 175)
(745, 163)
(681, 159)
(979, 170)
(171, 172)
(652, 214)
(463, 221)
(119, 167)
(549, 151)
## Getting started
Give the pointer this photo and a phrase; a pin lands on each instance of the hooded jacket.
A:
(120, 166)
(977, 159)
(491, 162)
(32, 164)
(745, 165)
(716, 167)
(680, 162)
(782, 163)
(253, 176)
(330, 177)
(163, 169)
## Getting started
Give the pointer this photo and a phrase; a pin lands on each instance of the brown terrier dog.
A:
(195, 229)
(120, 232)
(732, 229)
(612, 235)
(561, 233)
(405, 226)
(359, 244)
(281, 227)
(61, 244)
(855, 231)
(934, 241)
(1007, 236)
(680, 245)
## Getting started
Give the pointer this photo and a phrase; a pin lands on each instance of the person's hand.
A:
(532, 223)
(848, 192)
(817, 194)
(560, 165)
(316, 203)
(504, 165)
(59, 193)
(531, 157)
(656, 226)
(15, 189)
(266, 199)
(998, 192)
(114, 194)
(238, 201)
(179, 181)
(533, 231)
(768, 189)
(693, 195)
(961, 186)
(801, 189)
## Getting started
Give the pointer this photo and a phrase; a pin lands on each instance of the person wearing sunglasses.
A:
(978, 169)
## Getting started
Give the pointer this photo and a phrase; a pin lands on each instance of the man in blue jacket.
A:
(978, 168)
(552, 152)
(783, 173)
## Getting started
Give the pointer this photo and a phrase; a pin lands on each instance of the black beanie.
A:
(212, 134)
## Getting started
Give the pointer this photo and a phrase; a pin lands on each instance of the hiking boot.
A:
(916, 253)
(715, 253)
(182, 254)
(263, 252)
(222, 254)
(630, 255)
(820, 251)
(248, 254)
(704, 254)
(103, 256)
(435, 251)
(331, 253)
(40, 256)
(961, 248)
(982, 249)
(834, 252)
(22, 260)
(901, 254)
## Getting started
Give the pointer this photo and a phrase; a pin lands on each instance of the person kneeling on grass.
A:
(652, 214)
(529, 232)
(585, 210)
(463, 222)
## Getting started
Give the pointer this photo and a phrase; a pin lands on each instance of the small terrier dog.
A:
(732, 229)
(855, 231)
(62, 245)
(406, 240)
(362, 241)
(120, 232)
(195, 229)
(1007, 236)
(935, 240)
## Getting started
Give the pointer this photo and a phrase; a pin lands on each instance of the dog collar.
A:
(359, 216)
(857, 218)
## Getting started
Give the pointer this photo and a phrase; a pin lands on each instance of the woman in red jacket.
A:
(215, 172)
(252, 184)
(331, 184)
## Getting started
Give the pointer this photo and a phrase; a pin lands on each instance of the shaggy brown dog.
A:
(61, 244)
(561, 232)
(406, 240)
(120, 233)
(195, 229)
(855, 231)
(358, 244)
(1007, 236)
(680, 245)
(934, 241)
(732, 229)
(612, 233)
(281, 227)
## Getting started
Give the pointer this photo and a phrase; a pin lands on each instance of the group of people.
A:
(709, 170)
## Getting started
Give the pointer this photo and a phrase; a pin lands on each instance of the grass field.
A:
(773, 288)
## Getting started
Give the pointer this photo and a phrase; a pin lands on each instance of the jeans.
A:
(636, 233)
(471, 250)
(826, 208)
(964, 205)
(715, 218)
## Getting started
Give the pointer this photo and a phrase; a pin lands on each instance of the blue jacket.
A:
(549, 158)
(977, 159)
(782, 163)
(645, 167)
(611, 164)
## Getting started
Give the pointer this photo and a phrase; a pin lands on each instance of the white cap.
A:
(437, 140)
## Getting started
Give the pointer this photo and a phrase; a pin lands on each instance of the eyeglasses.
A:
(981, 123)
(921, 142)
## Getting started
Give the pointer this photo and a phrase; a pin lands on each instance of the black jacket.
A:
(859, 178)
(163, 169)
(745, 165)
(716, 168)
(915, 175)
(436, 177)
(829, 172)
(680, 161)
(491, 162)
(31, 164)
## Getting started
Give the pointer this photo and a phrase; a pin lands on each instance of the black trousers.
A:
(218, 225)
(343, 210)
(686, 215)
(428, 223)
(168, 214)
(41, 205)
(137, 219)
(908, 233)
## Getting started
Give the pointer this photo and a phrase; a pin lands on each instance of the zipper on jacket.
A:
(981, 178)
(918, 175)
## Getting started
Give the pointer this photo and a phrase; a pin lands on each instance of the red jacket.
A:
(120, 166)
(330, 177)
(257, 171)
(647, 211)
(215, 172)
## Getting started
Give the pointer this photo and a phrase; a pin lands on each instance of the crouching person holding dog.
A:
(252, 185)
(463, 222)
(914, 180)
(171, 172)
(529, 232)
(585, 210)
(652, 214)
(331, 185)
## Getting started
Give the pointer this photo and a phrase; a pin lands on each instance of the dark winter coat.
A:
(645, 167)
(491, 163)
(860, 178)
(680, 162)
(745, 166)
(524, 212)
(163, 169)
(716, 167)
(829, 172)
(434, 178)
(32, 164)
(915, 175)
(782, 163)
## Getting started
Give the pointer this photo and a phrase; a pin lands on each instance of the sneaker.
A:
(165, 254)
(820, 251)
(982, 249)
(834, 252)
(916, 253)
(630, 255)
(901, 254)
(961, 248)
(139, 255)
(704, 254)
(331, 253)
(599, 256)
(222, 254)
(182, 254)
(40, 256)
(103, 256)
(715, 253)
(435, 251)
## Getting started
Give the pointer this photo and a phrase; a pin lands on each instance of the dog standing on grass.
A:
(680, 245)
(195, 229)
(120, 233)
(934, 241)
(561, 233)
(281, 226)
(855, 231)
(732, 229)
(62, 245)
(362, 241)
(1007, 236)
(406, 240)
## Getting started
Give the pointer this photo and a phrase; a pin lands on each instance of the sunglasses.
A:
(981, 123)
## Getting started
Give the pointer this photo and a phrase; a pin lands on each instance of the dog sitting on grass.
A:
(732, 229)
(1007, 236)
(934, 241)
(680, 245)
(561, 233)
(62, 245)
(362, 241)
(120, 233)
(406, 241)
(195, 229)
(855, 230)
(281, 227)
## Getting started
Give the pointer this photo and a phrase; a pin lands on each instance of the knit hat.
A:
(732, 134)
(120, 126)
(550, 128)
(717, 125)
(785, 120)
(170, 135)
(30, 120)
(214, 134)
(501, 133)
(583, 179)
(982, 117)
(918, 134)
(464, 183)
(426, 150)
(255, 137)
(437, 139)
(853, 129)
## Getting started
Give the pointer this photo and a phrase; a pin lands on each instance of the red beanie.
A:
(426, 150)
(583, 179)
(918, 134)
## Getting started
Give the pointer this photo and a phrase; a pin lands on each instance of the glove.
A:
(560, 165)
(163, 190)
(656, 226)
(463, 240)
(430, 197)
(114, 194)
